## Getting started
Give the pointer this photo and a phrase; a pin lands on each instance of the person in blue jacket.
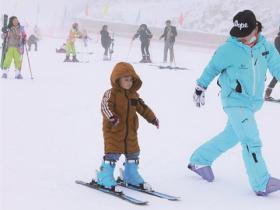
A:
(241, 63)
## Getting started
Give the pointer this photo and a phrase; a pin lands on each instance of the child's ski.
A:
(120, 195)
(150, 192)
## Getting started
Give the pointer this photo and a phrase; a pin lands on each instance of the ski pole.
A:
(151, 52)
(31, 76)
(111, 48)
(174, 56)
(21, 60)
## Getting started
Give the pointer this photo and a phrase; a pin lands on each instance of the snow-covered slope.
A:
(51, 135)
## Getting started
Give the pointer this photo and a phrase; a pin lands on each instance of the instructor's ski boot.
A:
(4, 76)
(105, 177)
(272, 186)
(75, 60)
(205, 172)
(67, 59)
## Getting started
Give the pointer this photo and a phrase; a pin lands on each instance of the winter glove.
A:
(199, 96)
(155, 122)
(114, 120)
(5, 29)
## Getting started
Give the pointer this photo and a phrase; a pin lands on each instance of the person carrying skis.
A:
(70, 44)
(16, 39)
(242, 81)
(274, 81)
(145, 36)
(120, 123)
(106, 41)
(169, 35)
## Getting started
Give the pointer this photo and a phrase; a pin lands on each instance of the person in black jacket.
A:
(106, 41)
(274, 80)
(169, 35)
(145, 36)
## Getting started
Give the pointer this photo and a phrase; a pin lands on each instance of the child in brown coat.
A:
(120, 123)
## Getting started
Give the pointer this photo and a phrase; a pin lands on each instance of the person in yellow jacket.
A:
(70, 44)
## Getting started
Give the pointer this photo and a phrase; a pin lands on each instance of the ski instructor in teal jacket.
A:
(241, 63)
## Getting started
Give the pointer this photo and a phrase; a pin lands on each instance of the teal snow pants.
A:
(241, 127)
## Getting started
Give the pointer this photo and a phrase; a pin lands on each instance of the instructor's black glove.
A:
(199, 96)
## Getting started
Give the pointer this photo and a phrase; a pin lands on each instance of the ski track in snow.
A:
(51, 134)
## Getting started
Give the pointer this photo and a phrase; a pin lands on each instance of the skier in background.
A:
(119, 107)
(169, 35)
(106, 41)
(32, 40)
(242, 81)
(274, 81)
(16, 39)
(145, 36)
(70, 44)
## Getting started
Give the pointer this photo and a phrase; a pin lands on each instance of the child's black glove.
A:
(114, 120)
(155, 122)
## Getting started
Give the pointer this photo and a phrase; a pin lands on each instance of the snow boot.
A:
(105, 177)
(67, 59)
(272, 186)
(105, 58)
(18, 75)
(205, 172)
(143, 60)
(4, 76)
(74, 59)
(148, 59)
(131, 175)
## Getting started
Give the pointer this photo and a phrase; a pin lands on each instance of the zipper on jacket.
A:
(254, 73)
(126, 131)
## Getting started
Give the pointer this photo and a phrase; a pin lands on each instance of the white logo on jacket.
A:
(240, 25)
